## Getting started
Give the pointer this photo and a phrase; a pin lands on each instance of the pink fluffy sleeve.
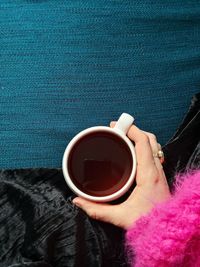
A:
(170, 235)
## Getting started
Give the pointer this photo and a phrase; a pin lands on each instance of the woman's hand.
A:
(151, 185)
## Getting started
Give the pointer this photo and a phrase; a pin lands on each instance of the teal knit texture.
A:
(69, 65)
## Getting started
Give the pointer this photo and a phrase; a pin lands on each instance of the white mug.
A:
(120, 129)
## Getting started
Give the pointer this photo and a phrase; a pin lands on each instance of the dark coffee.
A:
(100, 163)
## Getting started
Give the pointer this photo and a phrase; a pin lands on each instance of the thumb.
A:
(103, 212)
(112, 124)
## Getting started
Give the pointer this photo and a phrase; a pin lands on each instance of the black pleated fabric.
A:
(40, 227)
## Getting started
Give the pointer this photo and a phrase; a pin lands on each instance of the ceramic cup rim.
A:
(74, 188)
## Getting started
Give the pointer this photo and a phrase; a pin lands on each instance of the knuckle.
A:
(156, 179)
(144, 138)
(153, 176)
(152, 136)
(93, 214)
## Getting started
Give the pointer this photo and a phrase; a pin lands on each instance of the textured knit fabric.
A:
(68, 65)
(170, 235)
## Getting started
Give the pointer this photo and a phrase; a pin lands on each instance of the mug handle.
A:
(124, 123)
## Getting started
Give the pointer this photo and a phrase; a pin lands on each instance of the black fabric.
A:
(40, 227)
(182, 152)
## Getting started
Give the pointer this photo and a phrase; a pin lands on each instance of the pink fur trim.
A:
(170, 235)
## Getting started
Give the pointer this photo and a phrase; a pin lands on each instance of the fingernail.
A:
(76, 202)
(112, 123)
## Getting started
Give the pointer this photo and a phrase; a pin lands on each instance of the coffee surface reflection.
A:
(100, 163)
